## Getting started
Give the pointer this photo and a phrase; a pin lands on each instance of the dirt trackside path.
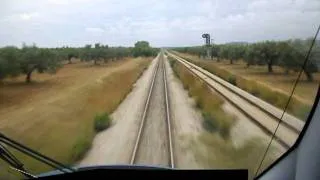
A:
(186, 122)
(114, 145)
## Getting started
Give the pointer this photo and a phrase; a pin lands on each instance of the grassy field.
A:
(274, 87)
(214, 148)
(54, 115)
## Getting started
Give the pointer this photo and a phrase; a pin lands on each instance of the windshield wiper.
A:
(7, 156)
(13, 161)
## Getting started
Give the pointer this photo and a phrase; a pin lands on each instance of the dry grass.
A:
(215, 152)
(279, 80)
(273, 88)
(214, 117)
(55, 114)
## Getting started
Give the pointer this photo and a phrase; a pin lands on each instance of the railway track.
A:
(154, 139)
(255, 110)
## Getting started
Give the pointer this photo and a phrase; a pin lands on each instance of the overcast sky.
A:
(52, 23)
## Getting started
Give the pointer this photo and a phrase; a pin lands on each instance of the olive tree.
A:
(223, 53)
(250, 56)
(301, 48)
(9, 61)
(42, 60)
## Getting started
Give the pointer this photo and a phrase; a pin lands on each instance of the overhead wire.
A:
(290, 97)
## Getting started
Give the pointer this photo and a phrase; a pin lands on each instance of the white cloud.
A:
(65, 2)
(28, 16)
(162, 23)
(58, 2)
(94, 30)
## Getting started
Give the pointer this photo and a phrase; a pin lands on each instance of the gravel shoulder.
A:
(185, 120)
(114, 145)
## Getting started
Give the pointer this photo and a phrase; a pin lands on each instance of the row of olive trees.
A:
(290, 54)
(100, 52)
(15, 61)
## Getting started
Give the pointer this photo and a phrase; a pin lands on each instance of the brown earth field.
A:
(54, 114)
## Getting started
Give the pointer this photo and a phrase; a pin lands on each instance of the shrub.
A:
(254, 90)
(232, 79)
(199, 103)
(101, 121)
(225, 125)
(209, 123)
(80, 148)
(268, 96)
(218, 121)
(282, 100)
(299, 109)
(172, 62)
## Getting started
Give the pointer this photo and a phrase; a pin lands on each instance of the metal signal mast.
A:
(207, 39)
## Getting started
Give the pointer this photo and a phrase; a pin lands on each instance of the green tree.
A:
(214, 52)
(86, 54)
(223, 53)
(142, 48)
(42, 60)
(71, 53)
(289, 58)
(9, 61)
(235, 52)
(267, 52)
(302, 47)
(249, 55)
(97, 53)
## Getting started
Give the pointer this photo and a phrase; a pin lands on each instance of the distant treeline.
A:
(15, 61)
(289, 54)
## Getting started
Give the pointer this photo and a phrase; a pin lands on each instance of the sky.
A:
(56, 23)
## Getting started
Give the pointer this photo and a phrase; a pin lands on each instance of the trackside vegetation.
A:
(102, 121)
(114, 89)
(215, 119)
(289, 54)
(214, 147)
(15, 61)
(215, 152)
(276, 98)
